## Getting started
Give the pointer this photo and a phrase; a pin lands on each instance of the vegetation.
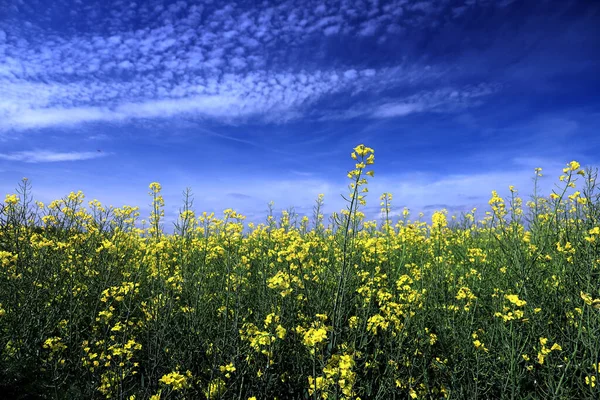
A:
(95, 304)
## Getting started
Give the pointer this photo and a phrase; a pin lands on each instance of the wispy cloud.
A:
(45, 156)
(273, 97)
(438, 100)
(229, 63)
(397, 109)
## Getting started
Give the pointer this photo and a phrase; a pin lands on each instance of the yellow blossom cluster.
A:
(176, 380)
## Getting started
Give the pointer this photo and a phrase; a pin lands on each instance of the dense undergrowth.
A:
(95, 305)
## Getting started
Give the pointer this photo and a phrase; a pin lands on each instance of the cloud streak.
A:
(444, 100)
(233, 98)
(45, 156)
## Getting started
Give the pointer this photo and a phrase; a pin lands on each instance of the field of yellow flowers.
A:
(95, 304)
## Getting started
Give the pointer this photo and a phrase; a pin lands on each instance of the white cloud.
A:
(45, 156)
(396, 110)
(440, 100)
(208, 61)
(368, 28)
(331, 30)
(276, 97)
(350, 74)
(57, 116)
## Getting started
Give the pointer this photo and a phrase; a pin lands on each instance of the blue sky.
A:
(248, 102)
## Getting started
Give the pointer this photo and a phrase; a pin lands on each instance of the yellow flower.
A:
(322, 317)
(155, 187)
(513, 298)
(541, 357)
(280, 331)
(375, 322)
(314, 336)
(432, 338)
(176, 380)
(118, 327)
(315, 384)
(11, 199)
(54, 344)
(574, 166)
(438, 220)
(227, 369)
(590, 381)
(362, 150)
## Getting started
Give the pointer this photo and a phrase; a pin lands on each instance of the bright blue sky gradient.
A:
(249, 103)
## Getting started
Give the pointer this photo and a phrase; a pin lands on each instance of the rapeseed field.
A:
(95, 304)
